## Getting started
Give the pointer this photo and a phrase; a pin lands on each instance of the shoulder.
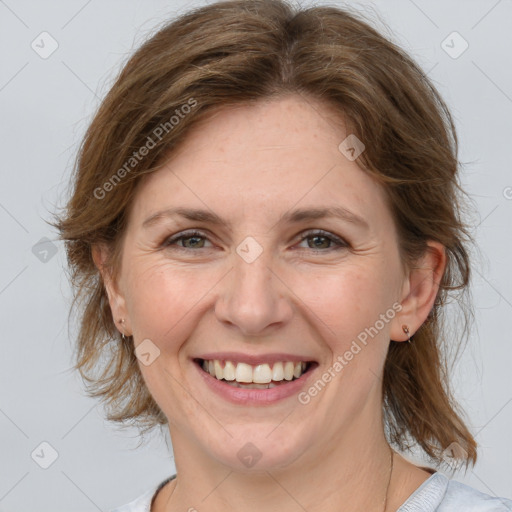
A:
(143, 502)
(459, 496)
(440, 494)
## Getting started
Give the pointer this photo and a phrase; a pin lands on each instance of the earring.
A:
(405, 328)
(121, 320)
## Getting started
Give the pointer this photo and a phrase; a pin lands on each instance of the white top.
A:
(436, 494)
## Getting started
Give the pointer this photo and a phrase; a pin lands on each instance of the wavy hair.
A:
(241, 52)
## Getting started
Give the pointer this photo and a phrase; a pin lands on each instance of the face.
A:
(252, 280)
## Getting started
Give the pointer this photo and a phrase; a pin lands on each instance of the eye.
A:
(190, 240)
(320, 240)
(323, 240)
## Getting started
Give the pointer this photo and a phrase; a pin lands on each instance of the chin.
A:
(262, 449)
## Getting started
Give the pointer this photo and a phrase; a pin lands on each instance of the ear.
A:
(115, 297)
(419, 291)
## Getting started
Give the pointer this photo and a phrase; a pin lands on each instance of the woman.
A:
(265, 224)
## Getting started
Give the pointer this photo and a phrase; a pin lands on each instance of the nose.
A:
(253, 298)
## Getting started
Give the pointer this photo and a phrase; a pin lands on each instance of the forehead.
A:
(262, 158)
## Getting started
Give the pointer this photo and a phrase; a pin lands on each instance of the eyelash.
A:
(339, 242)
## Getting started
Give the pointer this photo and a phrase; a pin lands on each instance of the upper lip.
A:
(254, 359)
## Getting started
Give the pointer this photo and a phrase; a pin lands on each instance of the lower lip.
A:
(241, 396)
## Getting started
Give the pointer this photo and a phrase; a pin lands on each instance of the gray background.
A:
(46, 105)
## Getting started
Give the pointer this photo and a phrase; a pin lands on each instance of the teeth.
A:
(259, 376)
(218, 369)
(288, 370)
(229, 371)
(262, 374)
(243, 372)
(252, 386)
(278, 371)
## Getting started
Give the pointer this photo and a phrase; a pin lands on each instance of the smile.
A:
(263, 376)
(255, 384)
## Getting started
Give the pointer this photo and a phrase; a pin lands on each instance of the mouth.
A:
(256, 376)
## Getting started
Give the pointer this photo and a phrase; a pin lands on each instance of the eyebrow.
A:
(292, 217)
(187, 213)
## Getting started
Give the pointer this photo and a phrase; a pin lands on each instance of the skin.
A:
(250, 165)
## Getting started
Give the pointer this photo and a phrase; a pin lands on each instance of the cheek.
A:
(163, 297)
(336, 300)
(345, 302)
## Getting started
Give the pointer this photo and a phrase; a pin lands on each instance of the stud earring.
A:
(405, 328)
(121, 320)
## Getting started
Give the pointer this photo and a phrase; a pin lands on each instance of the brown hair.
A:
(238, 52)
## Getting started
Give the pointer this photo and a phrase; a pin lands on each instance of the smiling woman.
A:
(268, 278)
